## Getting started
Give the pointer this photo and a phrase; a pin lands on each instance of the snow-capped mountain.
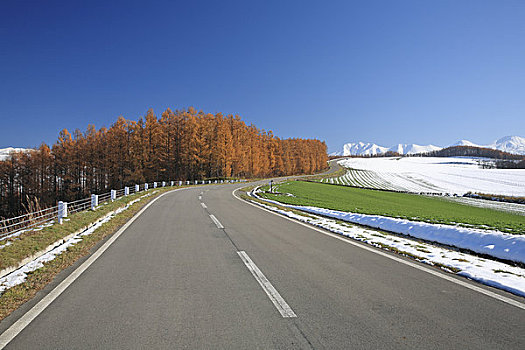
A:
(412, 148)
(367, 148)
(510, 144)
(4, 152)
(465, 143)
(362, 148)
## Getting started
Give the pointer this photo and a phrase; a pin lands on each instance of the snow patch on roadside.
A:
(494, 243)
(19, 276)
(489, 272)
(491, 242)
(18, 233)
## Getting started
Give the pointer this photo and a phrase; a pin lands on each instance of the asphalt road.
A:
(174, 279)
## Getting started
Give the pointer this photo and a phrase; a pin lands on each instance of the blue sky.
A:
(379, 71)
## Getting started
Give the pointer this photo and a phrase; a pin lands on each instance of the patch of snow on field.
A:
(454, 175)
(514, 208)
(489, 272)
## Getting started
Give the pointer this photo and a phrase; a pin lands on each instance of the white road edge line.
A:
(395, 258)
(284, 309)
(204, 205)
(215, 221)
(30, 315)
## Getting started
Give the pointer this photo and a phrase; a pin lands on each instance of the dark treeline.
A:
(453, 151)
(180, 145)
(469, 151)
(509, 164)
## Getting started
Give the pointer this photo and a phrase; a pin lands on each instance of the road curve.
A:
(176, 279)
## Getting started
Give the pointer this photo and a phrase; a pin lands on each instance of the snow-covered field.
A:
(454, 175)
(489, 272)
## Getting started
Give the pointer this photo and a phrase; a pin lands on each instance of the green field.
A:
(399, 205)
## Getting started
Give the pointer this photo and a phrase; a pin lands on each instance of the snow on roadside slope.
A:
(493, 273)
(452, 175)
(19, 276)
(494, 243)
(491, 242)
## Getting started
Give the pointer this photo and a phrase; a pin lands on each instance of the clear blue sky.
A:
(379, 71)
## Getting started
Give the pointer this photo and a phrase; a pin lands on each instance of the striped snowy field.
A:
(455, 175)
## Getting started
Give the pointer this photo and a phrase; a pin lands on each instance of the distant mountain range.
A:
(4, 152)
(509, 144)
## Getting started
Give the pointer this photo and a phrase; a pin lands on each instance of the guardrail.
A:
(37, 220)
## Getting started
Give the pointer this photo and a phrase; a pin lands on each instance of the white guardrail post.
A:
(146, 186)
(172, 183)
(113, 195)
(163, 183)
(137, 188)
(62, 211)
(94, 201)
(126, 191)
(155, 184)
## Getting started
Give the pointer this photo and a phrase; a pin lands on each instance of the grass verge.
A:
(31, 242)
(12, 298)
(398, 205)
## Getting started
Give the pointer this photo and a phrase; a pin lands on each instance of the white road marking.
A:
(200, 198)
(284, 309)
(442, 275)
(215, 221)
(204, 205)
(29, 316)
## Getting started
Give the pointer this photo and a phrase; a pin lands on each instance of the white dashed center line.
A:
(281, 305)
(215, 221)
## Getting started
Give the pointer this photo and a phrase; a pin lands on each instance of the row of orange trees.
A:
(180, 145)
